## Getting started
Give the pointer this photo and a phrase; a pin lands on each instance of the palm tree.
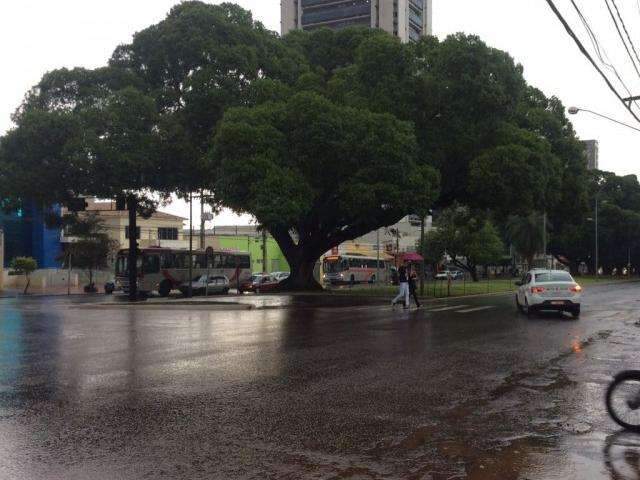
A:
(526, 235)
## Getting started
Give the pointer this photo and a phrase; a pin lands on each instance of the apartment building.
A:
(406, 19)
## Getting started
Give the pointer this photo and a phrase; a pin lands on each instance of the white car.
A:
(279, 276)
(548, 290)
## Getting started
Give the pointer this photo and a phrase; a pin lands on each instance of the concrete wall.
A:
(40, 279)
(289, 20)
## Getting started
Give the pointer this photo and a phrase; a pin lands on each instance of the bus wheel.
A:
(165, 288)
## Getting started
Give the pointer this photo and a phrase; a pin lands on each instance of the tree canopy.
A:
(317, 174)
(322, 136)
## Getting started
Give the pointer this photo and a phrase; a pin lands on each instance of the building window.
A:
(167, 233)
(126, 232)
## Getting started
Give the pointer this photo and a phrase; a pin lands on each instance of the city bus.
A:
(349, 269)
(164, 269)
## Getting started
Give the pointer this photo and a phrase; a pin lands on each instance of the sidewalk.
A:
(41, 292)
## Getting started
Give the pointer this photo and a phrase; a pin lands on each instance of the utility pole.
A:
(544, 238)
(596, 218)
(422, 273)
(264, 250)
(202, 219)
(190, 290)
(378, 255)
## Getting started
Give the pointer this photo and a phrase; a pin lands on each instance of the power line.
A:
(600, 52)
(615, 23)
(624, 26)
(589, 57)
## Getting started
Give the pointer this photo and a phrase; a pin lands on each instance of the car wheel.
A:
(165, 288)
(518, 306)
(576, 312)
(526, 308)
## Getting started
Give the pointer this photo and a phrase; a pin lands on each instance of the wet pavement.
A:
(319, 390)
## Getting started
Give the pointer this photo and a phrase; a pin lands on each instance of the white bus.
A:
(163, 269)
(341, 269)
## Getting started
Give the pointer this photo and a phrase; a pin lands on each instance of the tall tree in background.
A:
(469, 240)
(526, 234)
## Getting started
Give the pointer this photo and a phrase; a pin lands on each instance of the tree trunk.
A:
(530, 261)
(301, 277)
(469, 268)
(302, 258)
(26, 287)
(132, 206)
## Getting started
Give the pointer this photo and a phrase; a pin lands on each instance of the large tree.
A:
(86, 133)
(317, 174)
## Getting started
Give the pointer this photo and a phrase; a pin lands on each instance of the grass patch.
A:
(460, 288)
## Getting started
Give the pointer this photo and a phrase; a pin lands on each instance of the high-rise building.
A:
(406, 19)
(591, 149)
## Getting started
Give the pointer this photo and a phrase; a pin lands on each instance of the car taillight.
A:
(576, 288)
(537, 289)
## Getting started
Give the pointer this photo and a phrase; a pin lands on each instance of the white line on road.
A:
(444, 309)
(476, 309)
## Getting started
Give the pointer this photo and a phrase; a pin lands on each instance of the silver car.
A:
(217, 284)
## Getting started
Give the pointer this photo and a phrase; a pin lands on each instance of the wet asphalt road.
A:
(461, 389)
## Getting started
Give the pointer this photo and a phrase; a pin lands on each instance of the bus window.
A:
(122, 265)
(151, 264)
(200, 261)
(244, 261)
(181, 260)
(167, 260)
(345, 264)
(229, 261)
(217, 261)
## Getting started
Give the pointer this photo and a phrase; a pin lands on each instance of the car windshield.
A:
(553, 277)
(255, 278)
(197, 279)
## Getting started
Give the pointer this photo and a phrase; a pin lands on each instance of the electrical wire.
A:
(600, 52)
(584, 51)
(624, 27)
(626, 47)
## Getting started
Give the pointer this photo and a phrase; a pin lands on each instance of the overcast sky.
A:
(40, 35)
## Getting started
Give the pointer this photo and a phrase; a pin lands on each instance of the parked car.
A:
(259, 283)
(452, 274)
(548, 290)
(217, 284)
(280, 276)
(111, 286)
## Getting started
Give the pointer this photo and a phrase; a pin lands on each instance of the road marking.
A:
(444, 309)
(476, 309)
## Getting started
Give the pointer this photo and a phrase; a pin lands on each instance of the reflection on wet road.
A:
(464, 389)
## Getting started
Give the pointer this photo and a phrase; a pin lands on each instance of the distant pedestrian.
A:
(413, 276)
(403, 281)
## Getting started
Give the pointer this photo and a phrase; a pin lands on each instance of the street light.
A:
(576, 110)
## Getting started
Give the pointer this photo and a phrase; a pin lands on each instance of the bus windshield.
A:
(332, 266)
(122, 265)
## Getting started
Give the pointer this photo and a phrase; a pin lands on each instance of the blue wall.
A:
(25, 234)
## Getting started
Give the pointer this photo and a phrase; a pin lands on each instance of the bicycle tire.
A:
(618, 380)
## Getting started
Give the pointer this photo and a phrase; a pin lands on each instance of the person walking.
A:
(403, 293)
(413, 276)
